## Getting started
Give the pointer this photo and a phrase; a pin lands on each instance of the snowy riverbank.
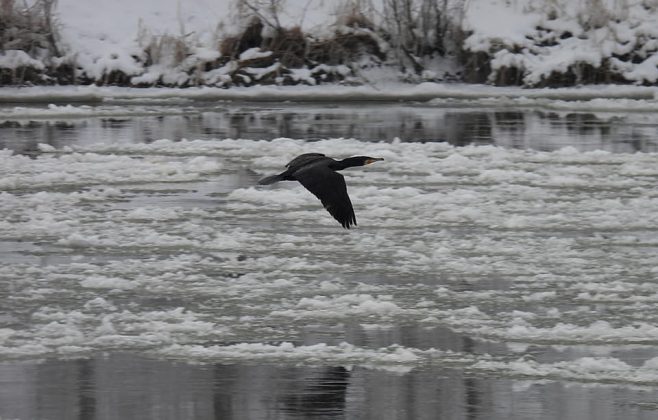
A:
(227, 43)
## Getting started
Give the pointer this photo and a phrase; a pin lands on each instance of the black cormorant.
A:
(318, 174)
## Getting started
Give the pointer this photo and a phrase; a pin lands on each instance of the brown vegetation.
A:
(27, 29)
(233, 46)
(410, 34)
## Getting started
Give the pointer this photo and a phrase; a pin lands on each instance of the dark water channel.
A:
(125, 386)
(120, 385)
(537, 129)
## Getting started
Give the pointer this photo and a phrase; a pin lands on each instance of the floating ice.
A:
(171, 248)
(599, 98)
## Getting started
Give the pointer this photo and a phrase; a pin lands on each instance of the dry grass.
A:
(27, 28)
(288, 46)
(31, 30)
(166, 50)
(251, 37)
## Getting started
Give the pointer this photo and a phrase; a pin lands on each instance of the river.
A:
(504, 265)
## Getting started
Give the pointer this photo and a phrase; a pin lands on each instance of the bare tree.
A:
(417, 28)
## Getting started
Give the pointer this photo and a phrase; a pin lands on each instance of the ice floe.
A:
(599, 98)
(153, 248)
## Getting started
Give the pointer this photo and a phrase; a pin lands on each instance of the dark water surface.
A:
(129, 385)
(537, 129)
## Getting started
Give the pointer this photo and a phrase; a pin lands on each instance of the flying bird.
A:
(317, 173)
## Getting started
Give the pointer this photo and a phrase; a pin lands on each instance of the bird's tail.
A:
(271, 179)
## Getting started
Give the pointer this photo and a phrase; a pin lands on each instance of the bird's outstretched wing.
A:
(329, 186)
(304, 159)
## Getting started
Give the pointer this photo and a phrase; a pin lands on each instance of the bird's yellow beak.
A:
(372, 160)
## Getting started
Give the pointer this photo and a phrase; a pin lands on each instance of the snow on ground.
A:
(105, 36)
(538, 38)
(542, 39)
(86, 28)
(171, 249)
(529, 42)
(101, 37)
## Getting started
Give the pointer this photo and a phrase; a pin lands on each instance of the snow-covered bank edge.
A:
(326, 93)
(228, 43)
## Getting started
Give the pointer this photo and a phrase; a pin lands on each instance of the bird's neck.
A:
(346, 163)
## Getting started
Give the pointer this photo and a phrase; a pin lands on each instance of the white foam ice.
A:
(584, 369)
(83, 169)
(68, 111)
(143, 247)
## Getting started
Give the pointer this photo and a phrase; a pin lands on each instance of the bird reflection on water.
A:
(323, 396)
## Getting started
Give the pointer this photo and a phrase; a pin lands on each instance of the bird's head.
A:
(359, 161)
(353, 161)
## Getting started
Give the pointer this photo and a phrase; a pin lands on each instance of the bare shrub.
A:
(267, 11)
(228, 47)
(166, 50)
(288, 46)
(417, 28)
(29, 29)
(355, 37)
(251, 37)
(344, 47)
